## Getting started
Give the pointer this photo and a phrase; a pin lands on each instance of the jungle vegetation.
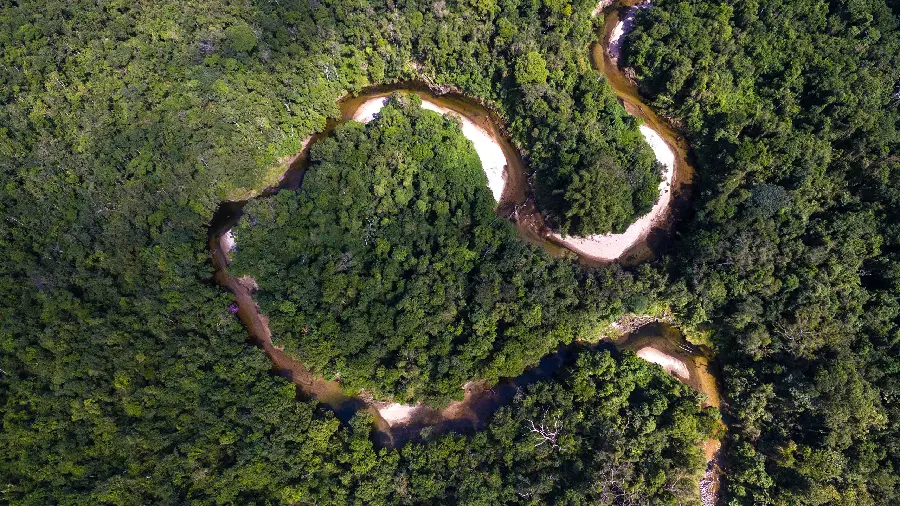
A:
(791, 260)
(390, 269)
(124, 379)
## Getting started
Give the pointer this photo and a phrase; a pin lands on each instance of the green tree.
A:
(531, 69)
(241, 37)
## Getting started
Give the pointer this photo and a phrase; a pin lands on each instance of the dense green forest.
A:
(123, 377)
(390, 269)
(125, 380)
(792, 257)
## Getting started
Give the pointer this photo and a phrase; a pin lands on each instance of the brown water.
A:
(481, 401)
(516, 204)
(704, 377)
(668, 339)
(627, 92)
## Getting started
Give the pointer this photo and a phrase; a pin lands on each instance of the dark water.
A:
(480, 407)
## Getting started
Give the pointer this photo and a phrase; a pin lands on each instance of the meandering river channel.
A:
(653, 340)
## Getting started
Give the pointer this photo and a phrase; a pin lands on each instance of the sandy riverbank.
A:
(608, 247)
(672, 365)
(396, 414)
(621, 29)
(227, 243)
(493, 161)
(603, 4)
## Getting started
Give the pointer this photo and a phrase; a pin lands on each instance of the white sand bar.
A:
(608, 247)
(671, 364)
(600, 6)
(227, 241)
(624, 26)
(397, 413)
(493, 161)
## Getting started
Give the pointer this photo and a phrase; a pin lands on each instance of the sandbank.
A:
(493, 161)
(603, 4)
(623, 27)
(608, 247)
(397, 413)
(671, 364)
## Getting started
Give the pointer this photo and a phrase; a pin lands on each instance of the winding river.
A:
(652, 339)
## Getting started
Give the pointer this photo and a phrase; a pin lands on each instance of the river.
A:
(655, 341)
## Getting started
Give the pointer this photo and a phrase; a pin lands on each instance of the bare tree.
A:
(613, 485)
(546, 434)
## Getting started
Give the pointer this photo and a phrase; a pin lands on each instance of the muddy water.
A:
(627, 92)
(703, 376)
(481, 401)
(668, 339)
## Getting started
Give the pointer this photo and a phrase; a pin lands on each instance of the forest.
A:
(791, 259)
(124, 379)
(390, 270)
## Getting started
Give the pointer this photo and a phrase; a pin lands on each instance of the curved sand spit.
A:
(397, 413)
(671, 364)
(603, 4)
(624, 26)
(608, 247)
(228, 242)
(493, 161)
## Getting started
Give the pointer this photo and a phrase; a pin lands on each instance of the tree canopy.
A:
(390, 269)
(124, 379)
(792, 257)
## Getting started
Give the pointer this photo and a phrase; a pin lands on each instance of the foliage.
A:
(391, 270)
(123, 377)
(531, 69)
(241, 37)
(792, 257)
(607, 432)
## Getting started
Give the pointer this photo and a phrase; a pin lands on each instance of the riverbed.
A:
(396, 424)
(506, 174)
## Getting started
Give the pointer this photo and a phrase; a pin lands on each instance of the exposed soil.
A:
(397, 413)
